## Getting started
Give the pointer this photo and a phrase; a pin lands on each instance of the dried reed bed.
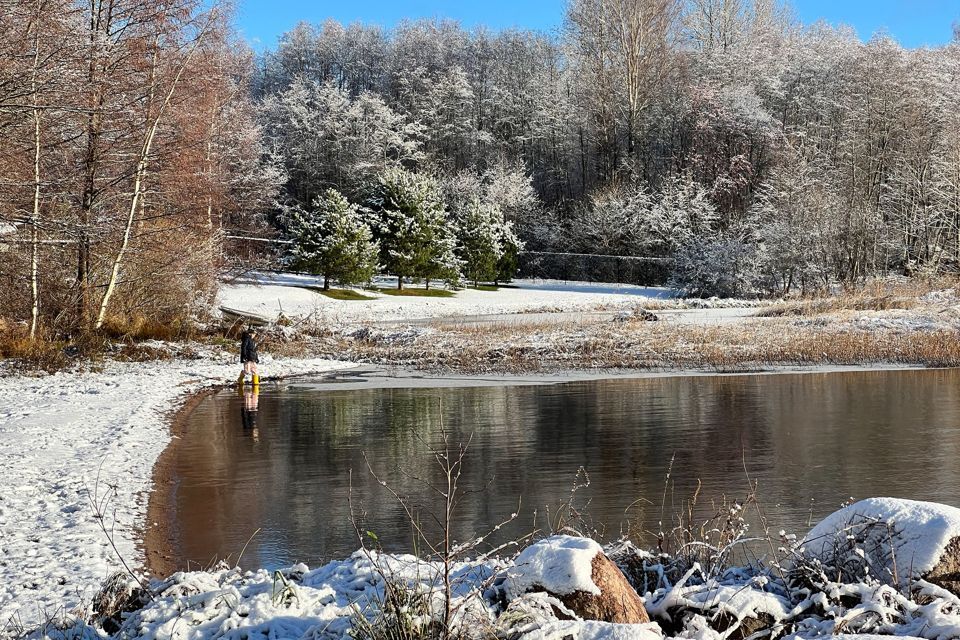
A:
(523, 348)
(876, 295)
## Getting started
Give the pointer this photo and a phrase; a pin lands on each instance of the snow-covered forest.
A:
(749, 153)
(717, 132)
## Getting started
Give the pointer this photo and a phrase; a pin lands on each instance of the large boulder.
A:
(890, 539)
(576, 571)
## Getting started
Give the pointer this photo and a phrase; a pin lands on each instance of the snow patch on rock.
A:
(920, 531)
(561, 565)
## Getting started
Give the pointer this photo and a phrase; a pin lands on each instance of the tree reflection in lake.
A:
(811, 441)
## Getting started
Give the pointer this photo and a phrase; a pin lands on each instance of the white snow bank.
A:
(560, 564)
(58, 433)
(298, 602)
(919, 531)
(590, 630)
(323, 603)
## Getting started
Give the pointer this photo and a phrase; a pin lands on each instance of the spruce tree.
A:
(479, 241)
(416, 237)
(333, 240)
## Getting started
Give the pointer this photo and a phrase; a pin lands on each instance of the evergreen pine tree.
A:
(479, 241)
(416, 237)
(333, 240)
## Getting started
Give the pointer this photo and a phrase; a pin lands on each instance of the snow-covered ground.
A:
(58, 435)
(523, 597)
(270, 294)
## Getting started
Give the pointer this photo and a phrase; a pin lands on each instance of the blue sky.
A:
(912, 22)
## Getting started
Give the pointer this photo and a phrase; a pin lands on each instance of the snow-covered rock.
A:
(576, 571)
(561, 565)
(890, 539)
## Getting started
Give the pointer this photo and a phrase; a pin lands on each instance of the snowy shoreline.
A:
(58, 432)
(126, 414)
(73, 436)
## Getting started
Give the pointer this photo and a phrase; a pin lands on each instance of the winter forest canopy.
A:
(744, 152)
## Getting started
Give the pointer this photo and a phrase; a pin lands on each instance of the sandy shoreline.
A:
(157, 541)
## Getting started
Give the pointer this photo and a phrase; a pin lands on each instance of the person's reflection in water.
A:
(248, 412)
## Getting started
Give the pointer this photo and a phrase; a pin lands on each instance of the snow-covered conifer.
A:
(332, 239)
(416, 238)
(479, 240)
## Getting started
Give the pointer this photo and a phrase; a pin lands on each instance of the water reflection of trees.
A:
(811, 436)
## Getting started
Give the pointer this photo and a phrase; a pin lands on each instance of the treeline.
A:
(129, 142)
(758, 154)
(751, 153)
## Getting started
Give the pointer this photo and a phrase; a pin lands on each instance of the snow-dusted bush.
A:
(324, 137)
(633, 220)
(678, 214)
(611, 222)
(722, 267)
(332, 239)
(511, 190)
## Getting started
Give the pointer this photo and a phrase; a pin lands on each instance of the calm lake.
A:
(810, 441)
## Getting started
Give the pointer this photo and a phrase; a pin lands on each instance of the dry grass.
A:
(141, 327)
(40, 354)
(519, 348)
(878, 295)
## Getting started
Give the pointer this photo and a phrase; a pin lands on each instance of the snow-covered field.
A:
(269, 295)
(58, 435)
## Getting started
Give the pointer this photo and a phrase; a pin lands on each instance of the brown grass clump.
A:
(41, 353)
(141, 327)
(832, 305)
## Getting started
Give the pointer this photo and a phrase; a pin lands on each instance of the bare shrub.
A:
(406, 610)
(119, 595)
(399, 615)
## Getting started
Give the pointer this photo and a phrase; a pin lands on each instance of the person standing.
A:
(248, 356)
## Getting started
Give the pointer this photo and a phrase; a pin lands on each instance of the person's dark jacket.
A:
(248, 348)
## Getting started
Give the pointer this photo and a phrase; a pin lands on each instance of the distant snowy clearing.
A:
(272, 294)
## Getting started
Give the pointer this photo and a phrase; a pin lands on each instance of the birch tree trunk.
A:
(141, 170)
(35, 215)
